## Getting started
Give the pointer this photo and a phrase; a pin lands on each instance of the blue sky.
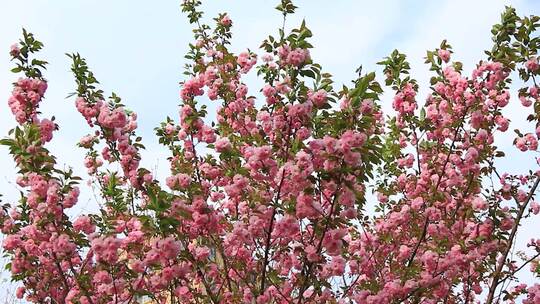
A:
(136, 49)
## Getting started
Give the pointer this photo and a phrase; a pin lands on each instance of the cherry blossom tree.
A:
(266, 199)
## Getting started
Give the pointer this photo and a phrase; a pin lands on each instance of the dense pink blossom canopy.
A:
(266, 200)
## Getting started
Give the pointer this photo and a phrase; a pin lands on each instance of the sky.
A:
(136, 49)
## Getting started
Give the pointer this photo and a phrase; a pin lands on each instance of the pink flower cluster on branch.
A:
(266, 203)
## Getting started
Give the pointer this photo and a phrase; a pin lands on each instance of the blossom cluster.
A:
(267, 203)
